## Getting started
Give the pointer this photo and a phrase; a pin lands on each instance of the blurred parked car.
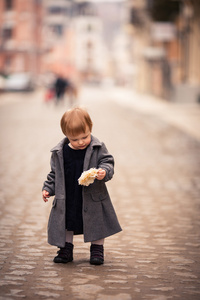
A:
(19, 82)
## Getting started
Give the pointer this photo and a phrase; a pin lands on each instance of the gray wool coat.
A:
(99, 217)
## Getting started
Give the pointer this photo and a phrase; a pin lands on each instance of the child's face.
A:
(80, 141)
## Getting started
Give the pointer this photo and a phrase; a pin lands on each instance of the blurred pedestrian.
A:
(62, 87)
(61, 84)
(49, 94)
(79, 209)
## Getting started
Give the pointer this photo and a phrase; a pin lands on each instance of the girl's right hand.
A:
(45, 195)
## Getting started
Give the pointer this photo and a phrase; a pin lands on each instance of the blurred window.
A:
(7, 33)
(55, 10)
(8, 4)
(57, 29)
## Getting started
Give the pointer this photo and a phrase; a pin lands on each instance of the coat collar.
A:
(59, 146)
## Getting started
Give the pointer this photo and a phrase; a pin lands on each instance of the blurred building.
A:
(58, 37)
(92, 43)
(83, 40)
(21, 46)
(165, 44)
(55, 19)
(153, 48)
(188, 35)
(73, 35)
(91, 55)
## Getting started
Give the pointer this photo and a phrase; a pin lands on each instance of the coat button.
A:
(85, 209)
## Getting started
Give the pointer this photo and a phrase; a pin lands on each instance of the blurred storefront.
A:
(166, 38)
(188, 26)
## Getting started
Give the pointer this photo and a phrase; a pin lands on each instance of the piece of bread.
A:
(88, 177)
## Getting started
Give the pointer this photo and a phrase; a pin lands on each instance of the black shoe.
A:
(65, 254)
(96, 254)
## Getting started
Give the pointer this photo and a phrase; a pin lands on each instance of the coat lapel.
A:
(90, 149)
(59, 150)
(88, 154)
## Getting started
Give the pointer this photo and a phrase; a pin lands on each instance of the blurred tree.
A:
(164, 10)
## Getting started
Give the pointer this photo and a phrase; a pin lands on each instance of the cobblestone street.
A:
(155, 191)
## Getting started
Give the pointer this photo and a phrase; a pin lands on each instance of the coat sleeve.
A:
(49, 184)
(106, 162)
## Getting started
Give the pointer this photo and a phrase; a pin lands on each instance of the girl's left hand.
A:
(101, 174)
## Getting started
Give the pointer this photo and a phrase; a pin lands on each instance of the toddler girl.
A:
(79, 209)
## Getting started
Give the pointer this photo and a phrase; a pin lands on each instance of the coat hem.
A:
(100, 237)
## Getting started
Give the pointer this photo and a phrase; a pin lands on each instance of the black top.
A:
(73, 167)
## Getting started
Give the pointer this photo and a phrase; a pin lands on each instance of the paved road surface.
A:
(155, 190)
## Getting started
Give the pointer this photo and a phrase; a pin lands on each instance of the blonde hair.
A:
(75, 121)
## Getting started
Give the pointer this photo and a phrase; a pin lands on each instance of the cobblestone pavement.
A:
(155, 191)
